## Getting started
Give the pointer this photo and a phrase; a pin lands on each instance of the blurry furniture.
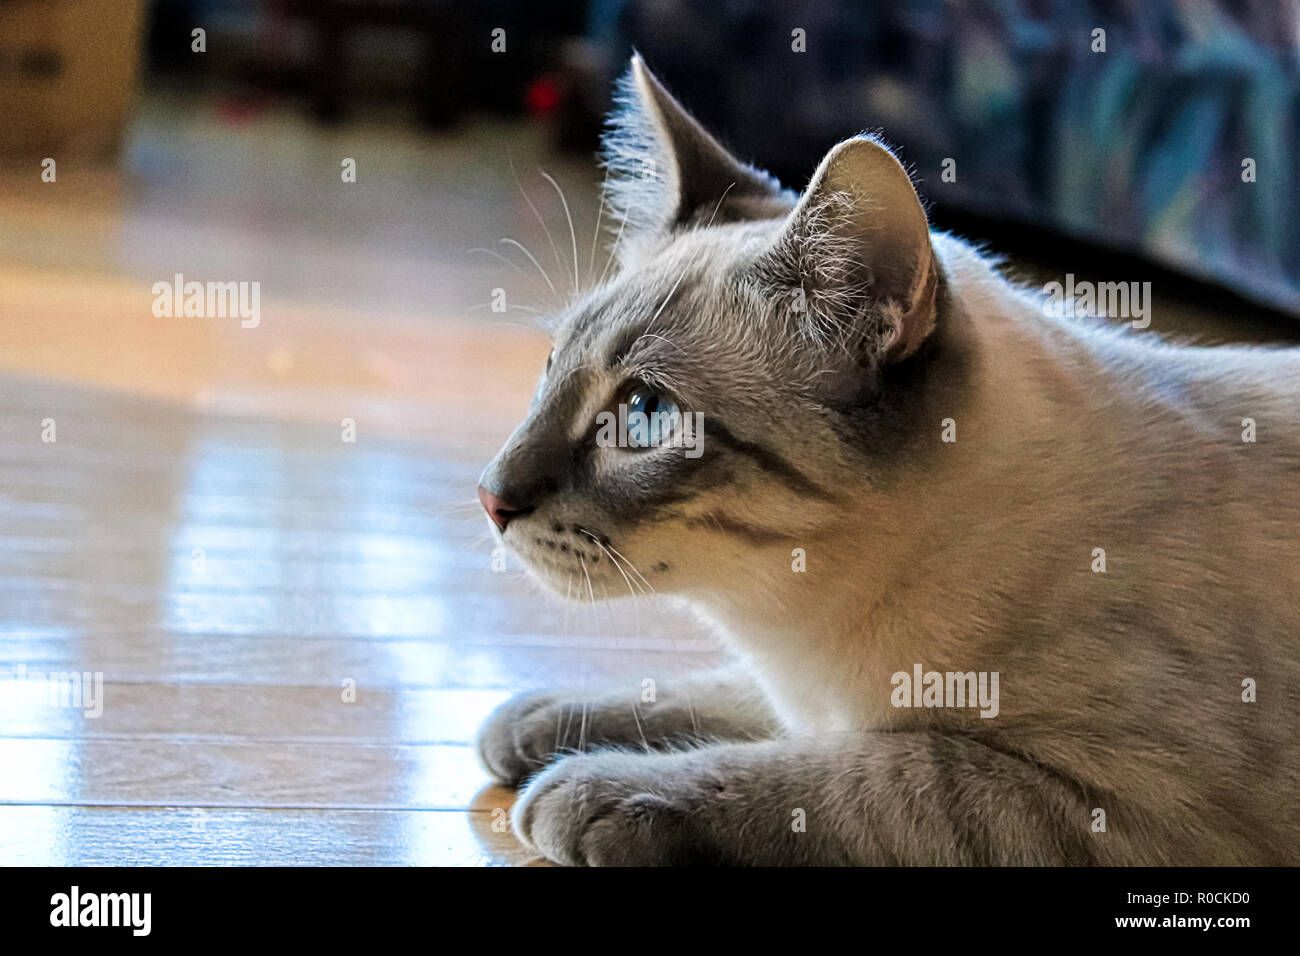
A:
(1139, 148)
(68, 75)
(443, 36)
(458, 70)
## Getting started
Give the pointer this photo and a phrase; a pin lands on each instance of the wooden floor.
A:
(200, 534)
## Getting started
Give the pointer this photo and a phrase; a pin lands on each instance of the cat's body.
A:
(942, 463)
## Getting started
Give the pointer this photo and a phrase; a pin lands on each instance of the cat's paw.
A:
(603, 809)
(521, 736)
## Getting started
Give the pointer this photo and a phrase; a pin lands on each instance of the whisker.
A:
(613, 560)
(613, 248)
(510, 262)
(536, 214)
(582, 732)
(533, 259)
(590, 592)
(668, 298)
(521, 308)
(637, 595)
(573, 237)
(595, 235)
(656, 335)
(559, 734)
(721, 199)
(633, 567)
(515, 326)
(639, 729)
(568, 720)
(573, 371)
(694, 262)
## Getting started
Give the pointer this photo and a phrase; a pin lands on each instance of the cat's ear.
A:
(855, 253)
(667, 172)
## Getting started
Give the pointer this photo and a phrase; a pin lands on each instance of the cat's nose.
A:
(499, 510)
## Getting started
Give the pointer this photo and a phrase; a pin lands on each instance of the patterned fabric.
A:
(1140, 147)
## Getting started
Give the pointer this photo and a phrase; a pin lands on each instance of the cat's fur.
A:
(1120, 691)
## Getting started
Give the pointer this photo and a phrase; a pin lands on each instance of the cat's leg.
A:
(886, 798)
(529, 731)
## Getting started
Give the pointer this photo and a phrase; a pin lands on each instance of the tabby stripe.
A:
(767, 459)
(751, 533)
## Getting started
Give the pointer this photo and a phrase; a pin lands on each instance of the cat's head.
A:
(771, 332)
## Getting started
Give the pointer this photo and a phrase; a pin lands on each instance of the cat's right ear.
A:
(666, 172)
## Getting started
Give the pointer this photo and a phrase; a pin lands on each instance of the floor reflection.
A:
(298, 635)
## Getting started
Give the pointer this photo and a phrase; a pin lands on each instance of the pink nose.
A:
(497, 508)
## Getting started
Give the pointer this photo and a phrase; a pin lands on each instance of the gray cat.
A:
(1008, 588)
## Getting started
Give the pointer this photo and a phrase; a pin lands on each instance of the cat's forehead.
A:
(667, 290)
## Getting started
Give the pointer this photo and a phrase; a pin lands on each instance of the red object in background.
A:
(543, 96)
(241, 109)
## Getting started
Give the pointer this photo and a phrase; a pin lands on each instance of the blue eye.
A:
(651, 417)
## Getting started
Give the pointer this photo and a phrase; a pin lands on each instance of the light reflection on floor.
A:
(296, 646)
(200, 535)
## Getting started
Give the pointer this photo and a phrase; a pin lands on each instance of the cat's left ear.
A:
(856, 254)
(666, 172)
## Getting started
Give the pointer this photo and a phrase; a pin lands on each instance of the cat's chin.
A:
(572, 584)
(570, 579)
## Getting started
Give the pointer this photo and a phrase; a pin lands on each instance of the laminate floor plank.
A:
(326, 661)
(178, 772)
(218, 836)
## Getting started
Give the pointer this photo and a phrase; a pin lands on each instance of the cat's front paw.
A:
(603, 809)
(523, 735)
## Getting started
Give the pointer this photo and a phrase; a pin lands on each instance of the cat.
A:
(909, 472)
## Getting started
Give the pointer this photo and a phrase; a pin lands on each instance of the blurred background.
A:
(182, 510)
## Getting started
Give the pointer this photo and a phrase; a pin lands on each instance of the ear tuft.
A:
(667, 172)
(641, 187)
